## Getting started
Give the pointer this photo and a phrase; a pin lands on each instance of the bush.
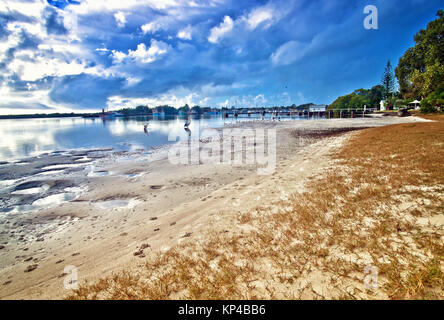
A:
(433, 102)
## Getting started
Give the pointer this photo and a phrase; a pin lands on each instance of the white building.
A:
(382, 105)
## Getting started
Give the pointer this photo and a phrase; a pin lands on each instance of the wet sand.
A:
(122, 206)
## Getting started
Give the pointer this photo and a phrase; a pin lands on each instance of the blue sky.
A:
(65, 55)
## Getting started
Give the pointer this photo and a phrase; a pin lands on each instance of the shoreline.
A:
(160, 206)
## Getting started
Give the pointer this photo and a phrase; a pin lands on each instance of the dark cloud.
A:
(54, 22)
(85, 91)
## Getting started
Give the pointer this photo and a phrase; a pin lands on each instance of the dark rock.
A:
(403, 112)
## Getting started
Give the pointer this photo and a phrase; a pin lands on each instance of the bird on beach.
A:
(187, 123)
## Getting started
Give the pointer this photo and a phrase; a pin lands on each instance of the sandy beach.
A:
(126, 206)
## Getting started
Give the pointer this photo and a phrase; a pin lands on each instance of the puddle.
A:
(98, 173)
(50, 172)
(69, 194)
(93, 171)
(7, 183)
(55, 199)
(134, 176)
(32, 190)
(83, 159)
(117, 204)
(21, 163)
(62, 166)
(76, 190)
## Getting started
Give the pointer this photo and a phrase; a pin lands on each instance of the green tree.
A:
(358, 98)
(420, 71)
(185, 108)
(388, 81)
(375, 96)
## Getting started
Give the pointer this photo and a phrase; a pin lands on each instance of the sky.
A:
(85, 55)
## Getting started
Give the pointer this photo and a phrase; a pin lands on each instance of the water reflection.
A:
(30, 137)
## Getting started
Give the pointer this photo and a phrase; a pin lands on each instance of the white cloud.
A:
(258, 16)
(142, 54)
(185, 33)
(31, 100)
(218, 32)
(41, 67)
(120, 19)
(130, 81)
(169, 98)
(289, 52)
(30, 9)
(31, 68)
(94, 6)
(150, 27)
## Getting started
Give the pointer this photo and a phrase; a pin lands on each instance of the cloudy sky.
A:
(63, 55)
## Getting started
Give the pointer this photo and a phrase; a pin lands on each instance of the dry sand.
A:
(148, 201)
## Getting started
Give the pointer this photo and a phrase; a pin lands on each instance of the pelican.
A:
(187, 123)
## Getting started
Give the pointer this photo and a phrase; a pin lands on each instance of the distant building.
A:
(318, 108)
(382, 105)
(158, 113)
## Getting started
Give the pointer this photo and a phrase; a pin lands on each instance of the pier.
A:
(328, 114)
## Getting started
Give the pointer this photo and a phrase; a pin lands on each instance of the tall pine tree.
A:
(388, 81)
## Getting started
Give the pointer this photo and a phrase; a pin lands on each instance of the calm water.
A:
(29, 137)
